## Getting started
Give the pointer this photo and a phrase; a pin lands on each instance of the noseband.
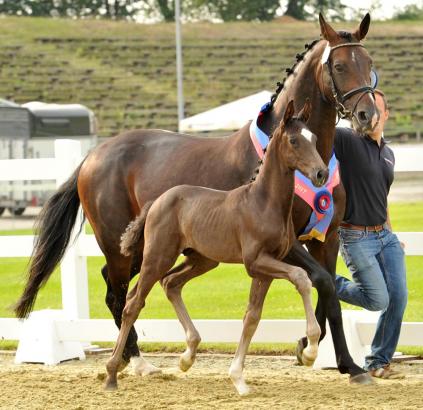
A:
(337, 96)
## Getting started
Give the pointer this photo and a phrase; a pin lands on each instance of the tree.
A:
(332, 9)
(231, 10)
(296, 10)
(71, 8)
(410, 12)
(309, 9)
(167, 9)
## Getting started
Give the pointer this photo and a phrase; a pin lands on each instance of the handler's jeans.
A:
(377, 264)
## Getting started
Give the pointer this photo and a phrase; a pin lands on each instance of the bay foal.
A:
(222, 226)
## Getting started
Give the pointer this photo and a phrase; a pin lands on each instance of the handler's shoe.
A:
(386, 372)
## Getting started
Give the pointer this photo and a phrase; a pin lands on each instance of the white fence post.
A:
(74, 276)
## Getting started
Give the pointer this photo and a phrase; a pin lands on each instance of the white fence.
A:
(77, 326)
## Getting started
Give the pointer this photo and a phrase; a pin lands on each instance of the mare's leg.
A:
(331, 307)
(194, 265)
(112, 301)
(109, 209)
(326, 254)
(258, 291)
(152, 270)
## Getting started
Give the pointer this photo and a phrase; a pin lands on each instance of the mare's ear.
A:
(327, 32)
(305, 112)
(362, 30)
(289, 112)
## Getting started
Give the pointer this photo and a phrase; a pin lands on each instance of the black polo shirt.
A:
(367, 172)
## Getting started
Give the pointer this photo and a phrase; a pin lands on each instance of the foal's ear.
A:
(362, 30)
(305, 112)
(327, 32)
(289, 112)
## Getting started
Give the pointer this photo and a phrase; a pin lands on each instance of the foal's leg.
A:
(194, 265)
(150, 274)
(271, 268)
(117, 274)
(267, 265)
(303, 284)
(258, 291)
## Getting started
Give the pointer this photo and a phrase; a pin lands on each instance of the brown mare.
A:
(222, 226)
(120, 176)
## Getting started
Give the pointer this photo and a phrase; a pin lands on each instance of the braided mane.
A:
(299, 57)
(279, 87)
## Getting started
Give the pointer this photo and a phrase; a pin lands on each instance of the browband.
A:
(346, 45)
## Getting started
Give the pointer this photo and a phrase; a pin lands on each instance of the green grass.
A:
(407, 216)
(221, 293)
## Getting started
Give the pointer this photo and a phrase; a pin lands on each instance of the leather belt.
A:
(375, 228)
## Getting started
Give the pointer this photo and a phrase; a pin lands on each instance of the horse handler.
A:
(372, 253)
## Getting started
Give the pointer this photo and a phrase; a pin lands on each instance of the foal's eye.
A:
(339, 68)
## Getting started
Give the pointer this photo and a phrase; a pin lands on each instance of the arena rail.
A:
(72, 324)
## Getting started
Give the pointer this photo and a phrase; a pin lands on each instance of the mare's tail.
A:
(54, 227)
(134, 232)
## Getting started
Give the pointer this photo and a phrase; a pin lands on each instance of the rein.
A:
(340, 99)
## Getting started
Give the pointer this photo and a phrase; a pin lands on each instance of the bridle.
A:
(340, 99)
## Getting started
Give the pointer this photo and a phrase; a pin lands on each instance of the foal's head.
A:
(298, 145)
(347, 78)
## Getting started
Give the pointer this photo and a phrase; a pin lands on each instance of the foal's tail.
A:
(134, 232)
(54, 227)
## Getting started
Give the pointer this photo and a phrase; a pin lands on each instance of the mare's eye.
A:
(293, 141)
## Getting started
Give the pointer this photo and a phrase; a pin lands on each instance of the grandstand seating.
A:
(130, 82)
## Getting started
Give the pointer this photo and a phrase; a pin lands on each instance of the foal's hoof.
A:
(307, 361)
(241, 387)
(111, 384)
(362, 378)
(186, 361)
(301, 345)
(123, 365)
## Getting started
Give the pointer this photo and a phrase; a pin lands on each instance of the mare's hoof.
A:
(151, 370)
(143, 368)
(148, 370)
(301, 345)
(362, 378)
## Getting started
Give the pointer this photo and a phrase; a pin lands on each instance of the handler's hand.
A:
(402, 245)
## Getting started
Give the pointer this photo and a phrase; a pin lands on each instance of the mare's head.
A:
(298, 145)
(347, 78)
